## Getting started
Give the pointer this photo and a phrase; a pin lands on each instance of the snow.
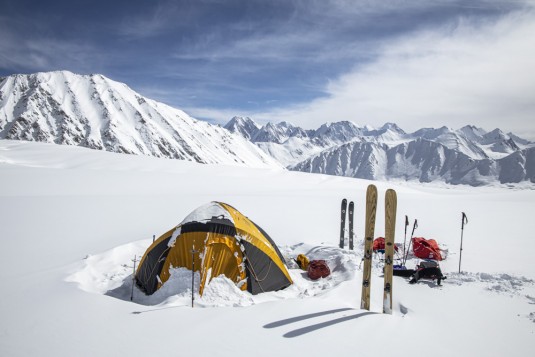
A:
(206, 212)
(73, 219)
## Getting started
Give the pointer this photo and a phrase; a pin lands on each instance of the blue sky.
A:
(419, 63)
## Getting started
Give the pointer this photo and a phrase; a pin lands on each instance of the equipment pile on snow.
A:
(427, 269)
(379, 245)
(426, 248)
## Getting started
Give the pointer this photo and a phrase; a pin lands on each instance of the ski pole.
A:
(414, 226)
(464, 220)
(405, 239)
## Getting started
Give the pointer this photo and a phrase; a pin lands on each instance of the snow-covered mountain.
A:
(389, 132)
(278, 133)
(290, 144)
(338, 132)
(468, 155)
(452, 139)
(244, 126)
(422, 160)
(96, 112)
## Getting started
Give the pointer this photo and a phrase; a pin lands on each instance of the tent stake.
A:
(193, 251)
(133, 279)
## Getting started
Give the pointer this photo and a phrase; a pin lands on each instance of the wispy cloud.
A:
(417, 62)
(153, 22)
(21, 52)
(473, 72)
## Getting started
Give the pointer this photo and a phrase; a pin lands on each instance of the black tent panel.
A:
(270, 241)
(220, 227)
(262, 273)
(146, 276)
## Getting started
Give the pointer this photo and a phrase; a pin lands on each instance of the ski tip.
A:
(391, 192)
(372, 187)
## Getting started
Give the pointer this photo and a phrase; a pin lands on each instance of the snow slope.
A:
(96, 112)
(73, 218)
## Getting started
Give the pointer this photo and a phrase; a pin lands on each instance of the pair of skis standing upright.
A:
(390, 227)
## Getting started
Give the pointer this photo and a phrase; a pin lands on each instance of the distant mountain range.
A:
(469, 155)
(96, 112)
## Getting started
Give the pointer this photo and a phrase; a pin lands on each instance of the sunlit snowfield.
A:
(72, 219)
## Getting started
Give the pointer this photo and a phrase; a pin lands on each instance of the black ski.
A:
(343, 222)
(350, 214)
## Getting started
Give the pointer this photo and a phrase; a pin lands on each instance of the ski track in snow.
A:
(498, 283)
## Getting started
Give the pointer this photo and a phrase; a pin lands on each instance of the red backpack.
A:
(318, 269)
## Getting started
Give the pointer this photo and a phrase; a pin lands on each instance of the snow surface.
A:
(73, 219)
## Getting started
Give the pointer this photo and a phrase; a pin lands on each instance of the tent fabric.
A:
(426, 248)
(228, 243)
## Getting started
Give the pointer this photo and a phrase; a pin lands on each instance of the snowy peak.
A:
(494, 136)
(278, 133)
(472, 133)
(244, 126)
(389, 132)
(432, 133)
(499, 142)
(519, 140)
(392, 127)
(271, 133)
(452, 139)
(339, 132)
(99, 113)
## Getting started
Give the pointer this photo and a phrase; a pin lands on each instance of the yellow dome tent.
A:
(225, 242)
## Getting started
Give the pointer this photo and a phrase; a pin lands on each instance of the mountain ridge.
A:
(469, 155)
(96, 112)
